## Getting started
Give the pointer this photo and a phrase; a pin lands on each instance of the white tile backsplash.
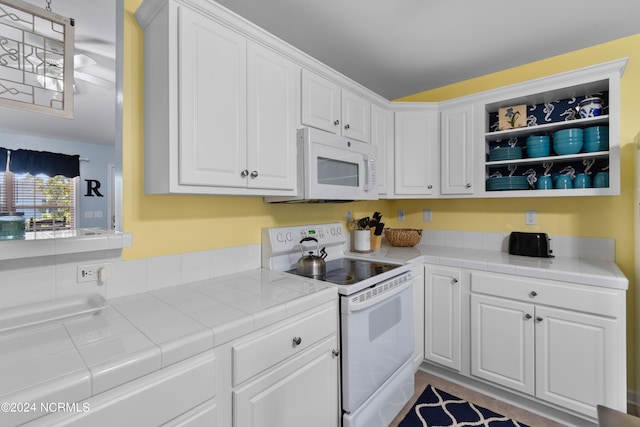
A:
(33, 279)
(43, 278)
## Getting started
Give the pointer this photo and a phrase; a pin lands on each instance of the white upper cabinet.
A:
(221, 110)
(212, 69)
(327, 106)
(382, 139)
(416, 152)
(456, 149)
(273, 95)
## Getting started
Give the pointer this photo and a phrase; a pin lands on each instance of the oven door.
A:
(377, 339)
(338, 169)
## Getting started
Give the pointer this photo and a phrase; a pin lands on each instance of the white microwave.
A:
(332, 168)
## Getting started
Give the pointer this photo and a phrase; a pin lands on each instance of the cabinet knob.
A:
(454, 281)
(336, 122)
(347, 126)
(429, 186)
(254, 174)
(533, 294)
(538, 319)
(528, 316)
(296, 341)
(335, 353)
(244, 173)
(468, 185)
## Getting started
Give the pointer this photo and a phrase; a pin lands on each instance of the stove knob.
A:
(288, 237)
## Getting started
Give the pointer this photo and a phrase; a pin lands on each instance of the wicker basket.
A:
(403, 236)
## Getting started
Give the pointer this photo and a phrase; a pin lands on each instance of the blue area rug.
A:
(435, 408)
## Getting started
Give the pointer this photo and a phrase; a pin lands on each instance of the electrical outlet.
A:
(530, 218)
(92, 273)
(426, 215)
(400, 214)
(349, 216)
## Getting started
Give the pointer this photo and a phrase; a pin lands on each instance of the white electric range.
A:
(376, 319)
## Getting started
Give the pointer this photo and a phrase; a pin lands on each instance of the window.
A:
(48, 203)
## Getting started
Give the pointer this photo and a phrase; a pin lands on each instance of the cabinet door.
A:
(574, 354)
(382, 139)
(356, 117)
(456, 150)
(273, 98)
(443, 317)
(416, 138)
(320, 102)
(502, 339)
(212, 105)
(300, 391)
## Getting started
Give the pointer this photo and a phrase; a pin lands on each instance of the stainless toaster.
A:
(530, 244)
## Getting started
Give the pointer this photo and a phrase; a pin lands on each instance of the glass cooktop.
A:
(348, 271)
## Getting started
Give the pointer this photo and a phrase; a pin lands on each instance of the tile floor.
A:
(423, 379)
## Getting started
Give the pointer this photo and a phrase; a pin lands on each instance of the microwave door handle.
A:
(366, 172)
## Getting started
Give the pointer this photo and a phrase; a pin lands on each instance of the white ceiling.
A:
(401, 47)
(94, 105)
(393, 47)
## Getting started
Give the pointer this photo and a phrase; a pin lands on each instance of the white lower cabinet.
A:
(299, 391)
(287, 375)
(560, 342)
(183, 394)
(443, 314)
(502, 342)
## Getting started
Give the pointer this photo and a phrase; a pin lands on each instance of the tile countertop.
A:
(575, 270)
(138, 334)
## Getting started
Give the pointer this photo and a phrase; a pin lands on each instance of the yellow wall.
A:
(164, 225)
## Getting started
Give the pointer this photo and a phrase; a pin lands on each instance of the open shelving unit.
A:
(564, 92)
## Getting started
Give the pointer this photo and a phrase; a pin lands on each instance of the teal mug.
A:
(582, 180)
(564, 182)
(544, 183)
(601, 180)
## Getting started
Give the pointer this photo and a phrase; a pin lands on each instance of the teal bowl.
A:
(593, 145)
(538, 146)
(596, 130)
(567, 147)
(571, 132)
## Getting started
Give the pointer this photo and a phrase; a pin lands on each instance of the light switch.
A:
(531, 218)
(426, 215)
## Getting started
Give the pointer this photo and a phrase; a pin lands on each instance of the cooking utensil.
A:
(312, 265)
(379, 228)
(363, 223)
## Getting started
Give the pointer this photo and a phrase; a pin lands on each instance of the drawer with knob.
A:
(590, 299)
(264, 350)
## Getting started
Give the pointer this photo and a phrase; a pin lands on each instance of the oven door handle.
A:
(359, 306)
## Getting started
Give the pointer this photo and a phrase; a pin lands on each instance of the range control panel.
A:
(287, 239)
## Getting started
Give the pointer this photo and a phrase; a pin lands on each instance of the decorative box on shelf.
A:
(512, 117)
